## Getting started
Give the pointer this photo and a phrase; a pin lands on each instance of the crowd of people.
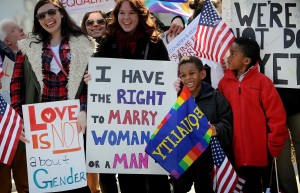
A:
(249, 116)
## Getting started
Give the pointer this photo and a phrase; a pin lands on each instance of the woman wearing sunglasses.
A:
(94, 25)
(51, 62)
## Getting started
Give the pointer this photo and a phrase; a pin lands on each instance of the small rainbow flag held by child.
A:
(181, 137)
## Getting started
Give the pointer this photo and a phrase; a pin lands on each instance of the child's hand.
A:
(214, 131)
(176, 85)
(87, 78)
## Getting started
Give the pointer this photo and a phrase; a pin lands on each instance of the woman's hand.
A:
(175, 28)
(87, 78)
(176, 85)
(82, 123)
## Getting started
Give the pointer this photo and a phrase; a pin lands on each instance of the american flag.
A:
(10, 130)
(225, 178)
(213, 37)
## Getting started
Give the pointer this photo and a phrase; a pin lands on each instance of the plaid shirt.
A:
(54, 84)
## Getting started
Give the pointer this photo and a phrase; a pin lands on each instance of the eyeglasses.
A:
(14, 29)
(42, 15)
(98, 21)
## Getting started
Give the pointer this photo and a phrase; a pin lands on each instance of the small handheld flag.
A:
(225, 177)
(181, 137)
(10, 130)
(213, 37)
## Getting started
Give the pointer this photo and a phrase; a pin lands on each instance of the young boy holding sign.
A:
(217, 111)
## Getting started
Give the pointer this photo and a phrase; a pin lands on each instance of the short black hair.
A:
(250, 48)
(192, 59)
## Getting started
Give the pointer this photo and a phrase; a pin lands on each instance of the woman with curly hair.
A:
(132, 34)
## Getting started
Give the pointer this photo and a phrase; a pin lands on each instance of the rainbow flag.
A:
(167, 6)
(181, 137)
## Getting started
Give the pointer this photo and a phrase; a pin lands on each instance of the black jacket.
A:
(291, 100)
(218, 112)
(109, 49)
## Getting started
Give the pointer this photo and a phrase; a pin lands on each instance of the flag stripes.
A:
(213, 37)
(10, 130)
(225, 178)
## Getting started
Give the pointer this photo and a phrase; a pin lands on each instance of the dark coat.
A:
(218, 112)
(109, 49)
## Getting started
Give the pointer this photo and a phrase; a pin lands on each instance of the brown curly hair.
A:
(145, 24)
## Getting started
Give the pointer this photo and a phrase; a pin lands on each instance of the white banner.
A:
(275, 26)
(55, 154)
(78, 6)
(127, 99)
(184, 45)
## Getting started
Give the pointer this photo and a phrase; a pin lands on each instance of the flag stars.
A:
(2, 106)
(217, 152)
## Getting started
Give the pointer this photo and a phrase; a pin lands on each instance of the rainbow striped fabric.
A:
(179, 7)
(181, 137)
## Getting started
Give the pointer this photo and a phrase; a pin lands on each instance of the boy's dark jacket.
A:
(218, 112)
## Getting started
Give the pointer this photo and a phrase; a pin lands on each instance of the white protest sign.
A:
(275, 26)
(127, 100)
(184, 45)
(8, 67)
(78, 6)
(55, 154)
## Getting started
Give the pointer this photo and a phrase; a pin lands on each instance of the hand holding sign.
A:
(81, 122)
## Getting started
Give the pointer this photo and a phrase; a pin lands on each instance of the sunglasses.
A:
(98, 21)
(42, 15)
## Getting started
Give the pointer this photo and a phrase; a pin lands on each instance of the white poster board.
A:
(55, 154)
(79, 6)
(127, 100)
(275, 26)
(184, 45)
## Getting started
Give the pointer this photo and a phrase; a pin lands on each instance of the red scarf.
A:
(127, 43)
